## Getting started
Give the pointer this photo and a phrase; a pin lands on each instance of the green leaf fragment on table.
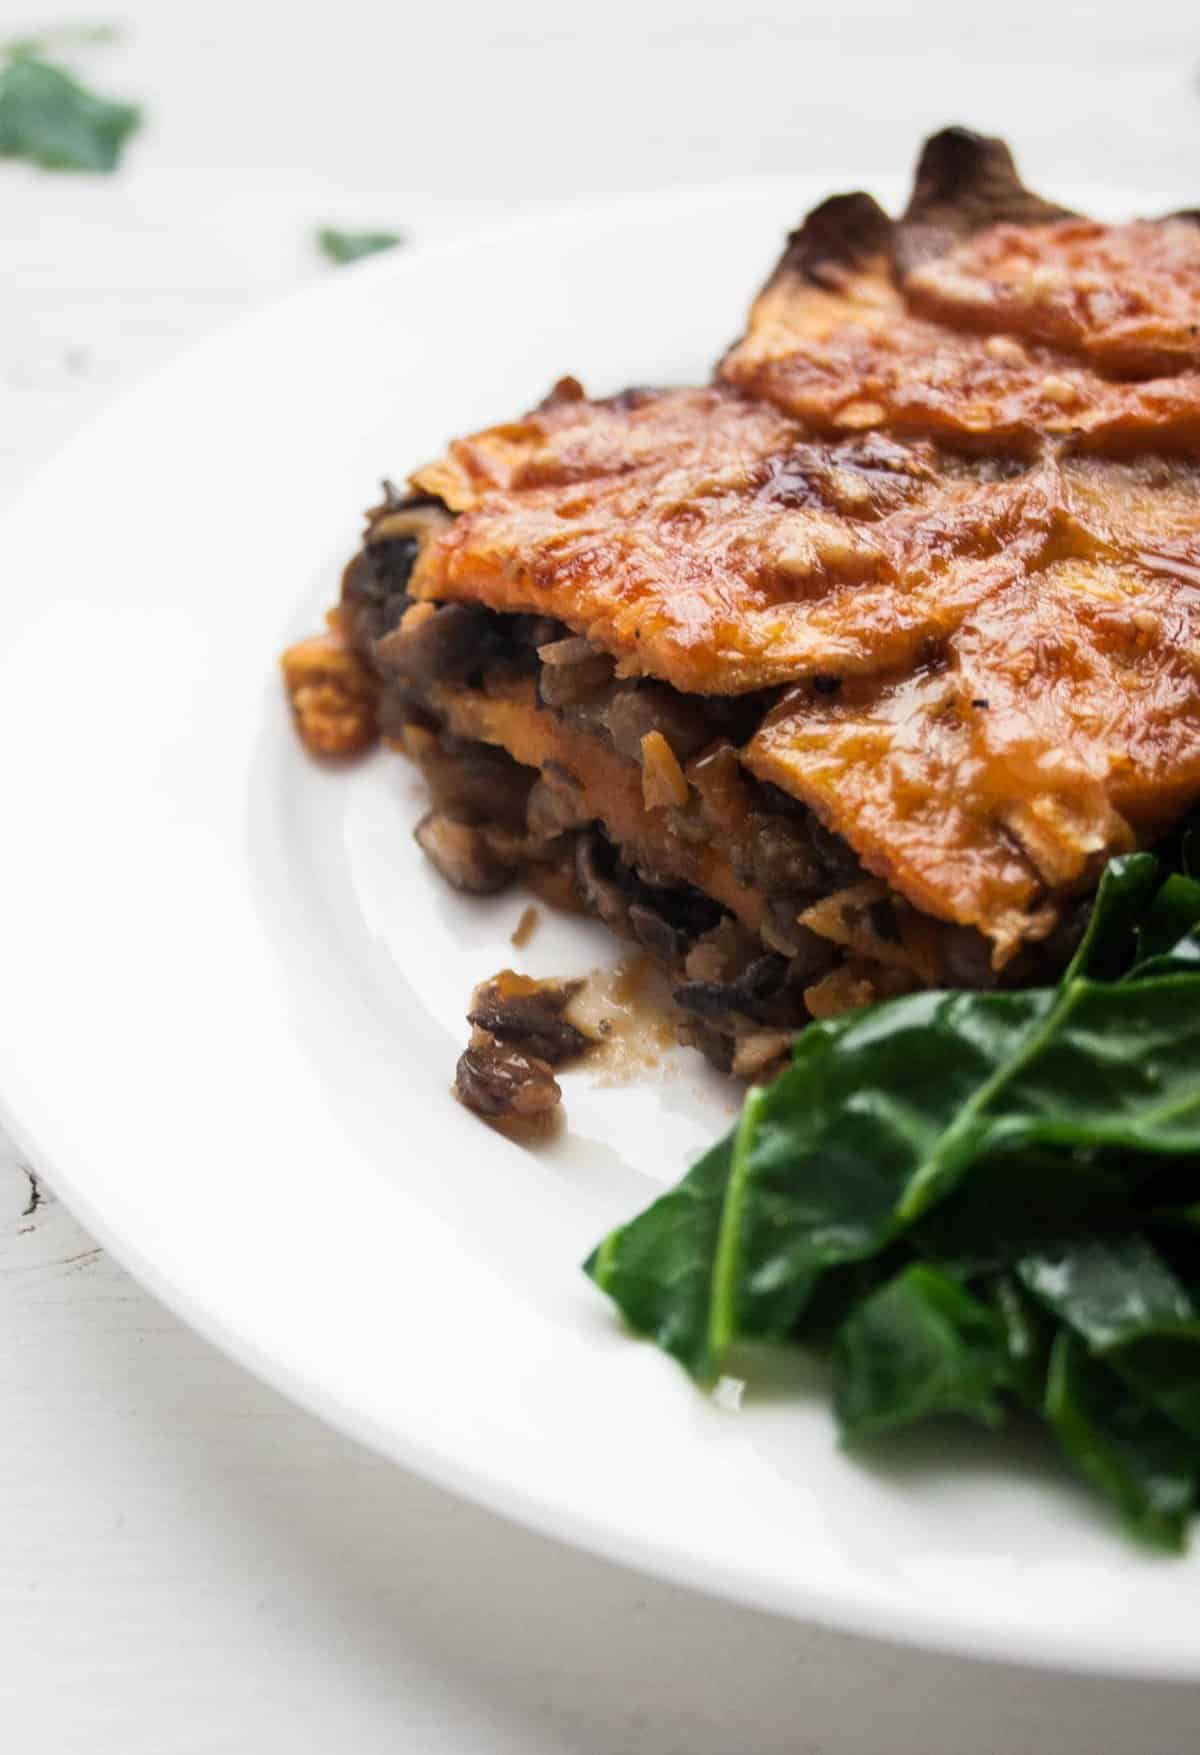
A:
(65, 36)
(343, 247)
(919, 1346)
(51, 120)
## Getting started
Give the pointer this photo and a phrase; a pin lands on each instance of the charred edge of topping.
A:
(964, 182)
(843, 232)
(560, 394)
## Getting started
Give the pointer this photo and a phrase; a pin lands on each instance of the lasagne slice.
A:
(845, 673)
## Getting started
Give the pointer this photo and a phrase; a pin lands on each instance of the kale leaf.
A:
(51, 120)
(972, 1186)
(342, 247)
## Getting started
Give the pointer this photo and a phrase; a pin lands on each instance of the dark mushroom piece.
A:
(837, 861)
(528, 1015)
(755, 993)
(556, 803)
(760, 1055)
(639, 708)
(572, 671)
(714, 1044)
(472, 782)
(375, 584)
(598, 889)
(462, 855)
(655, 933)
(782, 860)
(434, 643)
(496, 1079)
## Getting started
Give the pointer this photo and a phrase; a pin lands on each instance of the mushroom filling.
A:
(519, 1035)
(629, 800)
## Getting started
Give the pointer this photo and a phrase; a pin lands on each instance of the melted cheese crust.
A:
(952, 515)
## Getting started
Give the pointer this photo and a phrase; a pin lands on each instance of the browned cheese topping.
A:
(943, 499)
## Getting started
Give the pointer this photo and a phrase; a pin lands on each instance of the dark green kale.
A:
(994, 1194)
(51, 120)
(343, 247)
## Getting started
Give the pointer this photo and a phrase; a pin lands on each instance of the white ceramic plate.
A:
(233, 994)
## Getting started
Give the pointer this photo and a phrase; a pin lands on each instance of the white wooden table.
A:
(188, 1565)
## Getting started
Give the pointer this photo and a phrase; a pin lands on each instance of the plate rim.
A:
(554, 1518)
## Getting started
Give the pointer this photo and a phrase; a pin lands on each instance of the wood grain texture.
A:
(188, 1565)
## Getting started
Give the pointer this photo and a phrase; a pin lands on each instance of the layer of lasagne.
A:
(846, 672)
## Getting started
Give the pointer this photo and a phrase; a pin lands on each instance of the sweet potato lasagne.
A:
(844, 673)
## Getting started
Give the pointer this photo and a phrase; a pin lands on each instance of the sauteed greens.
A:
(984, 1202)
